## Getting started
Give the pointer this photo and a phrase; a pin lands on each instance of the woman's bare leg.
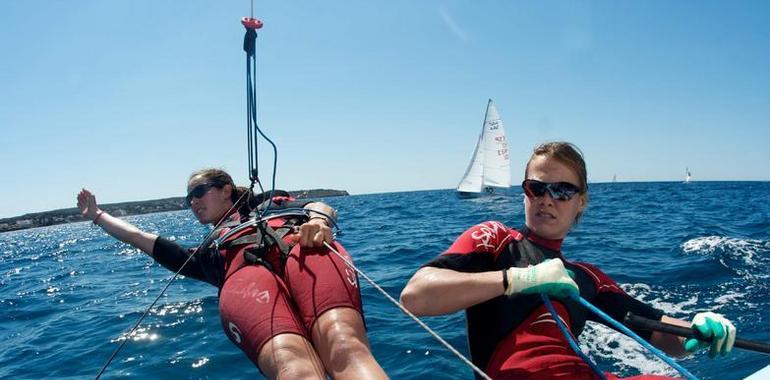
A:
(288, 357)
(340, 339)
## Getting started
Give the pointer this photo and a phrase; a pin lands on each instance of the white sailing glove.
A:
(548, 277)
(712, 325)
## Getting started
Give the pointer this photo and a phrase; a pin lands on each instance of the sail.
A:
(473, 178)
(490, 165)
(497, 165)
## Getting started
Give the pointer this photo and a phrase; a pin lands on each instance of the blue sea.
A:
(69, 293)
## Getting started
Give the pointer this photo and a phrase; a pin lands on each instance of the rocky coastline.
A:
(71, 215)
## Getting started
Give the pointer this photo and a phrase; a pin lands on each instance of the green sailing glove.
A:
(712, 325)
(548, 277)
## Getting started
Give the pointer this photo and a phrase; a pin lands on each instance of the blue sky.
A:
(127, 98)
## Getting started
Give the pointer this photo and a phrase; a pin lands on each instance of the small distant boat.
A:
(688, 177)
(490, 166)
(614, 178)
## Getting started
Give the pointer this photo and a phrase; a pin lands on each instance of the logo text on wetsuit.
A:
(235, 332)
(484, 235)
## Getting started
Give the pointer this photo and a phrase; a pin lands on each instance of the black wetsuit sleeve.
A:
(616, 305)
(466, 262)
(206, 265)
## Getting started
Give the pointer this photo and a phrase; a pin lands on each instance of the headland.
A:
(71, 215)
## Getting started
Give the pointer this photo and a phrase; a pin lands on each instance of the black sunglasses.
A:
(199, 191)
(562, 191)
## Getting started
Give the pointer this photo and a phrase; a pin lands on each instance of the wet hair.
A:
(568, 154)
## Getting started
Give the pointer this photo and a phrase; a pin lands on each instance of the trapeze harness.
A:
(236, 243)
(258, 238)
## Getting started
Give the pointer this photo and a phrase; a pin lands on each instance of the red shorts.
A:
(255, 304)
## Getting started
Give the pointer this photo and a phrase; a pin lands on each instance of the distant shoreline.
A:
(72, 215)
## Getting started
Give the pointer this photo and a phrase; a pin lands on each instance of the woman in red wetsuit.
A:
(496, 274)
(292, 306)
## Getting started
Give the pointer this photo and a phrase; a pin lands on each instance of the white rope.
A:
(407, 312)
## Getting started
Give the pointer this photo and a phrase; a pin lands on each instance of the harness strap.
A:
(277, 239)
(253, 238)
(525, 253)
(255, 256)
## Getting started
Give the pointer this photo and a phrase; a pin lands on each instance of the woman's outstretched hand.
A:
(87, 204)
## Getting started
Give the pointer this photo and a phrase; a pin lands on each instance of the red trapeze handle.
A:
(251, 23)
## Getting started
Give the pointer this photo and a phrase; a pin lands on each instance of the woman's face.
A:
(547, 217)
(208, 203)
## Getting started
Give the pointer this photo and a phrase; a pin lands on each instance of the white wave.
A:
(743, 249)
(200, 362)
(729, 298)
(664, 300)
(624, 353)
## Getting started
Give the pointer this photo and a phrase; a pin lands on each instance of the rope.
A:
(625, 330)
(163, 291)
(570, 338)
(407, 312)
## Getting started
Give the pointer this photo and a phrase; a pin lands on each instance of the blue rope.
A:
(570, 339)
(627, 331)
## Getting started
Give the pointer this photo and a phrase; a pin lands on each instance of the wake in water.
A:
(622, 353)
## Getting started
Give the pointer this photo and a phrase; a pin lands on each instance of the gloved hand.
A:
(712, 325)
(548, 277)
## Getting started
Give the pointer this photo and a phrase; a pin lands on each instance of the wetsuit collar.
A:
(233, 217)
(554, 245)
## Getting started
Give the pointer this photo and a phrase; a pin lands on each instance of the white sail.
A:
(490, 165)
(473, 178)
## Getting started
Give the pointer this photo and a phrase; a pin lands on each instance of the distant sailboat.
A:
(688, 177)
(490, 166)
(614, 178)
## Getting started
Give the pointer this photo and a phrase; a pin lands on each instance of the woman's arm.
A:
(436, 291)
(670, 344)
(321, 211)
(117, 228)
(317, 229)
(433, 291)
(709, 324)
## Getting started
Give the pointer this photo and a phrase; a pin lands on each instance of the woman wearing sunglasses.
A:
(496, 274)
(289, 304)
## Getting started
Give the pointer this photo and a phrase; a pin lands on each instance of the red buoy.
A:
(251, 23)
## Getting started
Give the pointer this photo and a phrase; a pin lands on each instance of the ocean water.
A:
(69, 293)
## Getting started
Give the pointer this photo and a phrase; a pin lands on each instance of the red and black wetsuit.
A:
(515, 337)
(280, 294)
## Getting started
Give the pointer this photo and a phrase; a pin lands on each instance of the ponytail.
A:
(248, 204)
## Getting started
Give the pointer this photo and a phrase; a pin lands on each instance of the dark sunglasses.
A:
(199, 191)
(562, 191)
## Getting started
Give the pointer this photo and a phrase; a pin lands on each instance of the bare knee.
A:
(345, 346)
(341, 339)
(289, 359)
